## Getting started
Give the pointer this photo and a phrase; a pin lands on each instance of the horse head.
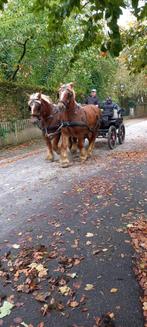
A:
(66, 95)
(39, 105)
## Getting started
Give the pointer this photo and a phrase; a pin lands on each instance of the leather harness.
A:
(51, 131)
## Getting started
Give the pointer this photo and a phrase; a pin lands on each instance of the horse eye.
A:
(29, 108)
(57, 94)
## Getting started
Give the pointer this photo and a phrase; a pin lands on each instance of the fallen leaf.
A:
(83, 299)
(105, 250)
(5, 309)
(52, 255)
(84, 309)
(44, 309)
(24, 324)
(73, 304)
(89, 287)
(97, 320)
(89, 235)
(42, 296)
(64, 290)
(41, 324)
(79, 189)
(72, 275)
(88, 243)
(77, 285)
(96, 251)
(15, 246)
(77, 262)
(69, 230)
(111, 315)
(114, 290)
(130, 225)
(42, 272)
(99, 196)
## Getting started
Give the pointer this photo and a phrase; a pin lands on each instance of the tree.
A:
(129, 89)
(27, 57)
(134, 52)
(20, 51)
(91, 14)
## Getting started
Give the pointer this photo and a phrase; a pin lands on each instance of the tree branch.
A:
(19, 61)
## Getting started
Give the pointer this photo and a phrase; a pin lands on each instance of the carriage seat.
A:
(112, 111)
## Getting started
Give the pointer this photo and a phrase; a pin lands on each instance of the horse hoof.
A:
(74, 149)
(51, 159)
(65, 164)
(83, 159)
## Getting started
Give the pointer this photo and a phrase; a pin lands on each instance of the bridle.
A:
(70, 94)
(31, 102)
(34, 101)
(49, 131)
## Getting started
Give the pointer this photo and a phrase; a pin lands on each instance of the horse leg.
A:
(55, 143)
(50, 155)
(83, 152)
(64, 146)
(91, 145)
(73, 145)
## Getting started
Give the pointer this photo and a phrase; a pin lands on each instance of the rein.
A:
(66, 124)
(77, 123)
(51, 131)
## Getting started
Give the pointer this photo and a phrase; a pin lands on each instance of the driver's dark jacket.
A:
(109, 106)
(92, 100)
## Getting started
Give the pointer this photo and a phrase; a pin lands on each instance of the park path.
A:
(73, 223)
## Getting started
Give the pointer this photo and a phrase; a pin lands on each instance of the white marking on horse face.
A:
(61, 95)
(32, 108)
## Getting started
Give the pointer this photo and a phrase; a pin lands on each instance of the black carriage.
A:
(112, 127)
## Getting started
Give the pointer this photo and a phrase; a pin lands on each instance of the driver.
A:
(108, 105)
(92, 98)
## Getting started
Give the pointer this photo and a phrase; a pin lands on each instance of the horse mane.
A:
(46, 98)
(68, 86)
(36, 96)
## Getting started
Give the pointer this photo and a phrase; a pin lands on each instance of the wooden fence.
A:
(16, 132)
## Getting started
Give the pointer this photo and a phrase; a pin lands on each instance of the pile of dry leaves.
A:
(130, 155)
(138, 233)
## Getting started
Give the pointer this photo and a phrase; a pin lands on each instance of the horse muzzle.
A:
(34, 119)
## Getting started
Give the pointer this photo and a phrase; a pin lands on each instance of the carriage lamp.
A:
(122, 88)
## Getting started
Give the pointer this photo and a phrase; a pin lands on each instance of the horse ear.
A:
(71, 85)
(39, 95)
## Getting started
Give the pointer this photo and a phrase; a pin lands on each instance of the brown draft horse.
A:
(79, 122)
(47, 116)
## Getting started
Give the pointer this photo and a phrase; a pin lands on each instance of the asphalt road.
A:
(81, 213)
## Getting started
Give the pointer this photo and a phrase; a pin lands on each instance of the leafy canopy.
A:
(92, 13)
(134, 53)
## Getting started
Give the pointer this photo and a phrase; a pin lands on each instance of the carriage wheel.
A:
(121, 133)
(112, 136)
